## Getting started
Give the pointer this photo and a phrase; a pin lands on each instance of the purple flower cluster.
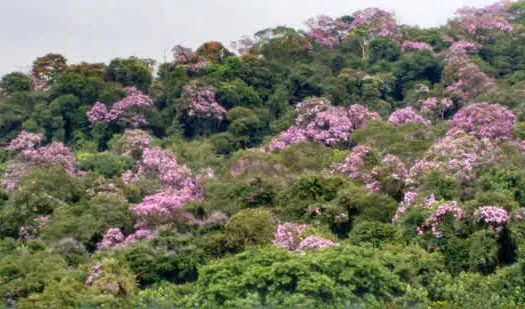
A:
(491, 17)
(162, 165)
(494, 216)
(441, 212)
(289, 235)
(327, 31)
(25, 140)
(201, 102)
(377, 23)
(485, 120)
(196, 67)
(127, 110)
(319, 121)
(132, 143)
(406, 115)
(244, 45)
(31, 231)
(315, 242)
(408, 45)
(470, 83)
(436, 107)
(112, 237)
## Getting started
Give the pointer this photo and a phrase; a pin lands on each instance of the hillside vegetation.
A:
(355, 164)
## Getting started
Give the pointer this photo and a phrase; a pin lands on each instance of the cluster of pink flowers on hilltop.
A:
(406, 115)
(377, 22)
(491, 17)
(485, 120)
(201, 102)
(327, 31)
(131, 143)
(290, 236)
(408, 45)
(441, 212)
(494, 216)
(354, 166)
(126, 110)
(323, 123)
(25, 140)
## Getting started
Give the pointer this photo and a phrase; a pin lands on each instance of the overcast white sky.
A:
(99, 30)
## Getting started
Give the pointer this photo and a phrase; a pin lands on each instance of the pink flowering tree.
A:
(320, 122)
(436, 108)
(406, 115)
(56, 154)
(374, 23)
(291, 236)
(485, 120)
(326, 31)
(480, 21)
(244, 45)
(470, 82)
(457, 57)
(494, 216)
(131, 143)
(201, 110)
(442, 212)
(129, 110)
(25, 140)
(415, 45)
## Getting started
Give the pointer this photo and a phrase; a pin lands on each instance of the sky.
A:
(100, 30)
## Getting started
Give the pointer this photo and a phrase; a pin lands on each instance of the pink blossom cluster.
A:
(408, 45)
(25, 140)
(391, 167)
(162, 165)
(406, 115)
(132, 143)
(327, 31)
(53, 154)
(201, 102)
(437, 107)
(289, 235)
(354, 166)
(491, 17)
(315, 242)
(127, 110)
(494, 216)
(292, 135)
(93, 272)
(412, 199)
(112, 237)
(377, 22)
(470, 83)
(459, 154)
(323, 123)
(485, 120)
(441, 212)
(196, 67)
(418, 171)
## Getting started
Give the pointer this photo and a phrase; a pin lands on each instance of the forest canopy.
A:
(356, 163)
